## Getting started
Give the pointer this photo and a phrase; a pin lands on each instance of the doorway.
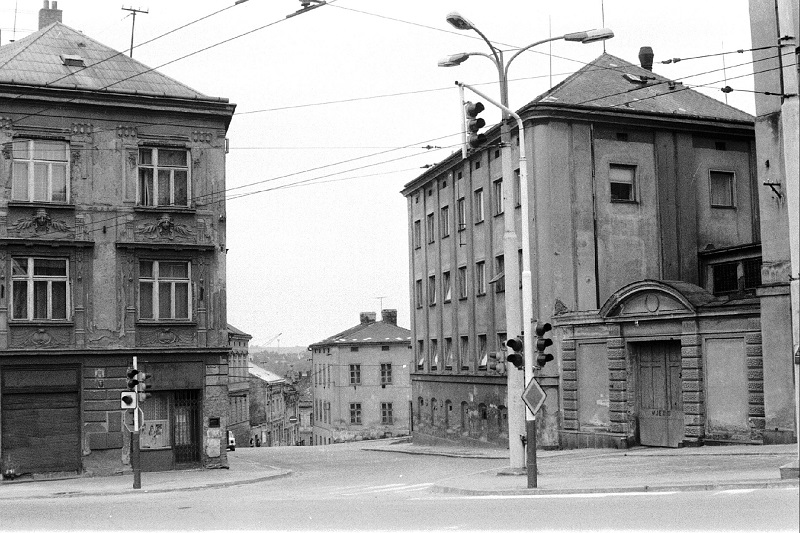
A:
(660, 405)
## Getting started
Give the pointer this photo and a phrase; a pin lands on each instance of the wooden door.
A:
(660, 404)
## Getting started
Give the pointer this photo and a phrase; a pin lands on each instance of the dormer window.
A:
(71, 60)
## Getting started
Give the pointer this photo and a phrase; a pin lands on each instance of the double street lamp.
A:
(510, 241)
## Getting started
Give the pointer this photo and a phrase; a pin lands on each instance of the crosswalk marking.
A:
(394, 488)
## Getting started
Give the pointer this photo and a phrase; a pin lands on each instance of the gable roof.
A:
(37, 60)
(369, 333)
(601, 85)
(236, 331)
(263, 374)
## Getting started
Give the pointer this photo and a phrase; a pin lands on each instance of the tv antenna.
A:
(134, 11)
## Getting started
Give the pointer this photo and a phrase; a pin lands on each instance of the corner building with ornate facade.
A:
(645, 244)
(112, 246)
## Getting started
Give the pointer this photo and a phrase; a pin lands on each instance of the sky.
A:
(336, 106)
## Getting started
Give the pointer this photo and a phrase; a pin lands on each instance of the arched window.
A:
(502, 419)
(464, 416)
(420, 405)
(433, 412)
(448, 406)
(483, 412)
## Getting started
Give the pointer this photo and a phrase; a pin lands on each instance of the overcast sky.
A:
(334, 107)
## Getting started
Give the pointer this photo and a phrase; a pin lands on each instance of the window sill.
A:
(48, 205)
(481, 294)
(478, 222)
(723, 206)
(41, 323)
(163, 323)
(621, 201)
(164, 209)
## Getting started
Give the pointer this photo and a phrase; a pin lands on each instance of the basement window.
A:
(71, 60)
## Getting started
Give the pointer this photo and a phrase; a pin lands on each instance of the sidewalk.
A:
(605, 470)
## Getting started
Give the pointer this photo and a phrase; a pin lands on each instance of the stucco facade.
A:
(624, 188)
(361, 382)
(239, 385)
(98, 268)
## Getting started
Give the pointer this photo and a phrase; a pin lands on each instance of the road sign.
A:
(533, 396)
(292, 419)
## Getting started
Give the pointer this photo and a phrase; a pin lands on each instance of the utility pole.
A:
(133, 11)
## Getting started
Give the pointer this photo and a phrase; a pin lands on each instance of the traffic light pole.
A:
(136, 458)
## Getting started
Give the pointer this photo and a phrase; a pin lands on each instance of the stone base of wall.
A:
(426, 439)
(779, 436)
(581, 439)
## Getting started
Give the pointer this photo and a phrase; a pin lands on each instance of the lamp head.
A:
(590, 36)
(458, 22)
(453, 60)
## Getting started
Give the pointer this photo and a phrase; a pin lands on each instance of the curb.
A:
(460, 455)
(605, 490)
(129, 491)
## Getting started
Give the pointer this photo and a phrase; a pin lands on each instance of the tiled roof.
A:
(37, 60)
(601, 84)
(264, 375)
(235, 331)
(370, 333)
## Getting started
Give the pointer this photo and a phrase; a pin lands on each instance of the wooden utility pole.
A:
(133, 24)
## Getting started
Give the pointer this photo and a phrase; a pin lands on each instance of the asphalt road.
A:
(342, 487)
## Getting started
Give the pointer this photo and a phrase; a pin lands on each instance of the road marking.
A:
(734, 491)
(395, 488)
(572, 495)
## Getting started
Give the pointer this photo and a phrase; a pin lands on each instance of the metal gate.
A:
(186, 424)
(660, 402)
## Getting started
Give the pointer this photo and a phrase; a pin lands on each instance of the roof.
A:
(264, 375)
(37, 60)
(602, 84)
(369, 333)
(235, 331)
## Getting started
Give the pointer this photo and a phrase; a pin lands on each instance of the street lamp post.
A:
(510, 241)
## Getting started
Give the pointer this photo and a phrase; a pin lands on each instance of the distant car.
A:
(231, 441)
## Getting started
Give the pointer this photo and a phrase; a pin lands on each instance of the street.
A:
(342, 487)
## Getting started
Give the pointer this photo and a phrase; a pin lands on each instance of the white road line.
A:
(573, 495)
(388, 488)
(733, 491)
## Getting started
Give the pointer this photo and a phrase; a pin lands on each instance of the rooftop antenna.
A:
(381, 298)
(603, 16)
(724, 71)
(550, 52)
(133, 24)
(14, 33)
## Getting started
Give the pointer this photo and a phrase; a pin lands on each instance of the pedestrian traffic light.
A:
(542, 343)
(132, 375)
(516, 357)
(474, 124)
(142, 386)
(494, 363)
(127, 400)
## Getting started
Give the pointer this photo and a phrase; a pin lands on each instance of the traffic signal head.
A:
(516, 357)
(542, 328)
(474, 124)
(494, 363)
(133, 378)
(542, 343)
(127, 400)
(543, 358)
(142, 386)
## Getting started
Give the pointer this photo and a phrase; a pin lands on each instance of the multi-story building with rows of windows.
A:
(645, 243)
(112, 247)
(361, 381)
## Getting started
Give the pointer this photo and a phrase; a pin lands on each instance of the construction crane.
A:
(274, 337)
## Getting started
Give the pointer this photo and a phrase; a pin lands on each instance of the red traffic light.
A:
(542, 328)
(516, 359)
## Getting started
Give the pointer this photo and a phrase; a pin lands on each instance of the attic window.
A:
(70, 60)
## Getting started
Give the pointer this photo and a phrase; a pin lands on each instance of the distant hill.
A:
(278, 349)
(296, 359)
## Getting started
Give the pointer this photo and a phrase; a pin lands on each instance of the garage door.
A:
(40, 419)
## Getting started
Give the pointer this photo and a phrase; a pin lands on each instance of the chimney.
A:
(48, 15)
(389, 316)
(367, 317)
(646, 57)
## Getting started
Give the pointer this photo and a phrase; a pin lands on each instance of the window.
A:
(448, 353)
(387, 418)
(733, 276)
(501, 342)
(463, 352)
(40, 288)
(721, 184)
(418, 293)
(355, 413)
(431, 290)
(461, 213)
(462, 282)
(420, 355)
(386, 373)
(480, 278)
(444, 221)
(155, 430)
(355, 374)
(483, 355)
(40, 169)
(621, 180)
(164, 290)
(446, 286)
(431, 228)
(478, 207)
(434, 354)
(163, 177)
(354, 348)
(499, 274)
(417, 234)
(498, 196)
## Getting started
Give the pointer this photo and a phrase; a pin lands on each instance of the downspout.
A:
(594, 220)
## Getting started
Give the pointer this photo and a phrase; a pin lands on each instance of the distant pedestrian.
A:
(251, 442)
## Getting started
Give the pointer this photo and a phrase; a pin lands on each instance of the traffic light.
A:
(542, 343)
(127, 400)
(494, 363)
(474, 124)
(516, 357)
(142, 386)
(132, 374)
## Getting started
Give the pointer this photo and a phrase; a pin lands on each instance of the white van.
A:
(231, 441)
